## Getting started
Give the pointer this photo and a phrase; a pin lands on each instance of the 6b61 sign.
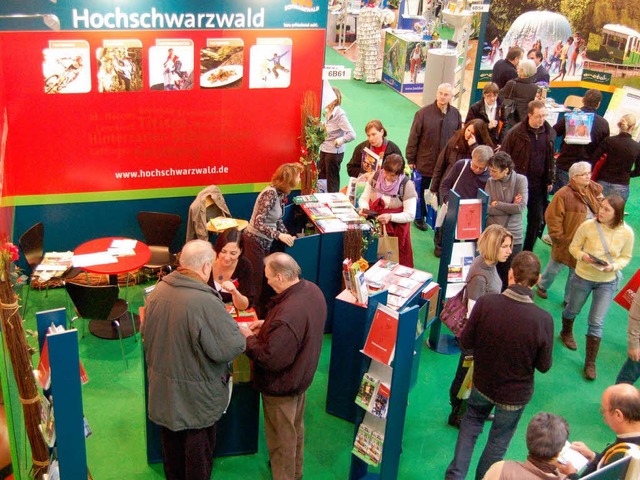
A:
(336, 72)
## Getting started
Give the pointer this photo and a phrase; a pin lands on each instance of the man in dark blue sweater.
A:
(511, 337)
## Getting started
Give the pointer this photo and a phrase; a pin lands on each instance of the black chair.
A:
(159, 231)
(108, 314)
(32, 245)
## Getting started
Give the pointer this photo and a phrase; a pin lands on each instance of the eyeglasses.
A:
(584, 174)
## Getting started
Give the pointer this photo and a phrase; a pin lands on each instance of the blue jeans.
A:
(603, 293)
(552, 269)
(502, 429)
(629, 373)
(609, 188)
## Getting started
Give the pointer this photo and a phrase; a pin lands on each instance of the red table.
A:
(123, 265)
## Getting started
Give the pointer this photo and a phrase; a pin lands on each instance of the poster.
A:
(624, 100)
(149, 96)
(597, 40)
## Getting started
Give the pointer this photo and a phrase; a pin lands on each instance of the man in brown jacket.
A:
(569, 208)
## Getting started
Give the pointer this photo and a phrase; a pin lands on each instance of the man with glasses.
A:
(569, 208)
(530, 144)
(432, 128)
(541, 75)
(620, 408)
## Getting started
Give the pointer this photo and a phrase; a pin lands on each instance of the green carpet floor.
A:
(113, 398)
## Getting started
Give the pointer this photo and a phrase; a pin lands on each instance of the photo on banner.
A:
(221, 63)
(270, 63)
(596, 42)
(624, 100)
(120, 66)
(66, 68)
(171, 65)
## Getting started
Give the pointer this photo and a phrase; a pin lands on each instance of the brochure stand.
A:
(66, 393)
(67, 404)
(395, 420)
(348, 364)
(438, 341)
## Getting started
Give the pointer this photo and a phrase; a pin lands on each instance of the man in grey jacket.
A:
(189, 338)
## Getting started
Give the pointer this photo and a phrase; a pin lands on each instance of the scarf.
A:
(391, 189)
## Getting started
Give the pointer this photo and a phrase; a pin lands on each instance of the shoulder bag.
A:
(444, 208)
(606, 249)
(455, 310)
(509, 106)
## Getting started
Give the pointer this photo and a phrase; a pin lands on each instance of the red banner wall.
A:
(93, 142)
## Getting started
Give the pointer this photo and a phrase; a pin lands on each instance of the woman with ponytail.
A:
(622, 159)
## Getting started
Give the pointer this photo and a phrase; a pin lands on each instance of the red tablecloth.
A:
(124, 264)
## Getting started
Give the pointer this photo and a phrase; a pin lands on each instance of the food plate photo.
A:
(221, 76)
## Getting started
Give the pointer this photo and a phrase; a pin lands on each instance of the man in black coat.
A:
(511, 338)
(432, 128)
(530, 144)
(541, 75)
(505, 70)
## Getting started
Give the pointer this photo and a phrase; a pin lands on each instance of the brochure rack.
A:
(438, 341)
(347, 365)
(67, 404)
(400, 386)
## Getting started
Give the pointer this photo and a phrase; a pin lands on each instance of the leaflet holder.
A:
(439, 341)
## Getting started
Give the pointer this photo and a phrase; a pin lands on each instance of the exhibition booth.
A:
(110, 109)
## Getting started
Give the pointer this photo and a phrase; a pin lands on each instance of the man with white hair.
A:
(432, 128)
(569, 208)
(285, 349)
(189, 340)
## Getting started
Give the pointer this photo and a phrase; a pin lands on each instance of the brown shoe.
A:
(541, 292)
(566, 334)
(593, 345)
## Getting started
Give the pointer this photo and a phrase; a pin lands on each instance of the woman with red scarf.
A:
(390, 193)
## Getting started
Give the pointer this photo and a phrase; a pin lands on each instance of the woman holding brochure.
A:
(602, 247)
(377, 143)
(231, 272)
(390, 193)
(494, 246)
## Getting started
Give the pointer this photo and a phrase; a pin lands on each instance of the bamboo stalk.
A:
(18, 348)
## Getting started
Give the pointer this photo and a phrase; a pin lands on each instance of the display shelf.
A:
(347, 364)
(402, 367)
(66, 392)
(439, 341)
